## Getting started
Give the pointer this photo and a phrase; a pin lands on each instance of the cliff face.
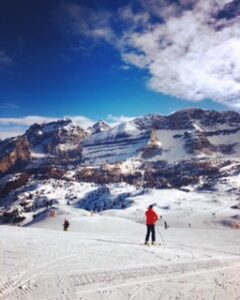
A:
(15, 153)
(185, 135)
(53, 143)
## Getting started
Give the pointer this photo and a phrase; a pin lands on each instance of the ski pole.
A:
(159, 233)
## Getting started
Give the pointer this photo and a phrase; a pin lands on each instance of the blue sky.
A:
(102, 58)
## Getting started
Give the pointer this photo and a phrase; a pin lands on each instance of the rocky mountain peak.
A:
(60, 130)
(100, 126)
(150, 121)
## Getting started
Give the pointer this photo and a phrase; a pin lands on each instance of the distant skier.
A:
(66, 225)
(151, 219)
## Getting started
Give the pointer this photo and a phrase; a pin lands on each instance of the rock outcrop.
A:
(14, 154)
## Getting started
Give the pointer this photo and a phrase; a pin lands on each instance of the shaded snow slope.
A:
(189, 205)
(117, 144)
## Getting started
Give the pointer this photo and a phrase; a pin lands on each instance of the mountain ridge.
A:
(183, 135)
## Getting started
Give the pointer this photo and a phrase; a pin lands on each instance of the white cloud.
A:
(191, 48)
(10, 132)
(27, 121)
(116, 120)
(187, 56)
(84, 122)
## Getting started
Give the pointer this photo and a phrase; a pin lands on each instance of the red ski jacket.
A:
(151, 217)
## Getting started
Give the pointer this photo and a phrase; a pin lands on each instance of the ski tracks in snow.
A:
(128, 283)
(62, 267)
(140, 279)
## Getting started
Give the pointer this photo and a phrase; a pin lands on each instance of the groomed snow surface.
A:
(103, 256)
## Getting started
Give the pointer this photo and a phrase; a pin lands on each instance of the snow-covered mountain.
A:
(184, 135)
(185, 138)
(189, 148)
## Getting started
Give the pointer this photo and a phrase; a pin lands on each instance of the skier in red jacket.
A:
(151, 219)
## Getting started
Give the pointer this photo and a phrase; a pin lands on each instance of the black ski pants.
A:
(150, 229)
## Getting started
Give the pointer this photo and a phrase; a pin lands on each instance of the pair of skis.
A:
(152, 245)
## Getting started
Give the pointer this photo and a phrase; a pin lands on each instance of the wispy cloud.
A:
(7, 105)
(116, 120)
(5, 60)
(125, 67)
(84, 122)
(10, 127)
(190, 48)
(26, 121)
(8, 132)
(84, 21)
